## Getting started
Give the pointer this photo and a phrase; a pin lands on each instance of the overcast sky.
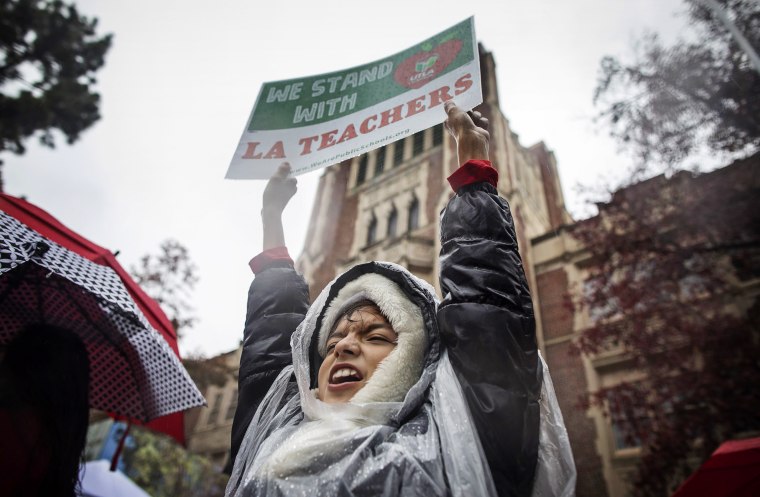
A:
(182, 76)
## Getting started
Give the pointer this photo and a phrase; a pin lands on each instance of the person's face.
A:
(359, 342)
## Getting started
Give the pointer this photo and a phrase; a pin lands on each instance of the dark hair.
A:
(49, 372)
(351, 309)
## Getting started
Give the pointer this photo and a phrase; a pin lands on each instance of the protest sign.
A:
(315, 121)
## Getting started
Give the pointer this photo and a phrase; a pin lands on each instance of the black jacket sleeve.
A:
(487, 323)
(277, 303)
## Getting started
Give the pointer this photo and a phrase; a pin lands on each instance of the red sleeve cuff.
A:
(473, 171)
(267, 257)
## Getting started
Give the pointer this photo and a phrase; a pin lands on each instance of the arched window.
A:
(361, 174)
(392, 223)
(398, 152)
(379, 161)
(414, 215)
(418, 143)
(372, 231)
(437, 134)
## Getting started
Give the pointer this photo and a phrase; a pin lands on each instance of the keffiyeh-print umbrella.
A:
(134, 372)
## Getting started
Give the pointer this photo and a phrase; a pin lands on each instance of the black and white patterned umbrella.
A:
(133, 371)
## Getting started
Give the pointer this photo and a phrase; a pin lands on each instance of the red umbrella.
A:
(52, 229)
(733, 470)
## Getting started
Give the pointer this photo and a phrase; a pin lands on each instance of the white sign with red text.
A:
(316, 121)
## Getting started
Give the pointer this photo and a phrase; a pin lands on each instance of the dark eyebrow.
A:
(376, 326)
(335, 332)
(369, 329)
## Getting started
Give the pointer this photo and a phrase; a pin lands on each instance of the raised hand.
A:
(278, 192)
(470, 130)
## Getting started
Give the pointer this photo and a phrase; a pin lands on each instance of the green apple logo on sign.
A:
(424, 64)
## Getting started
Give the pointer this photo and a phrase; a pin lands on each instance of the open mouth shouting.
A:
(344, 376)
(353, 350)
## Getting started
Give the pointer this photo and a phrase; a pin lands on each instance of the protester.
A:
(44, 385)
(378, 389)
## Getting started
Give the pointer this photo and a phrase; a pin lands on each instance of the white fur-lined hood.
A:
(408, 303)
(396, 374)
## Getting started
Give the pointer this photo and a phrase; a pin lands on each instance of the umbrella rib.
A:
(134, 373)
(64, 288)
(18, 276)
(69, 291)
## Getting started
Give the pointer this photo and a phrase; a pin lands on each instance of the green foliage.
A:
(49, 55)
(164, 469)
(673, 100)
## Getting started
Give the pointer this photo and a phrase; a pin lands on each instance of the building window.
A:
(215, 407)
(627, 422)
(372, 231)
(398, 152)
(623, 436)
(418, 143)
(379, 161)
(392, 222)
(361, 174)
(232, 407)
(437, 134)
(414, 215)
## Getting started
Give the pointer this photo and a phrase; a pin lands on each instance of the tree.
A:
(168, 278)
(673, 259)
(164, 469)
(672, 264)
(671, 100)
(49, 55)
(156, 463)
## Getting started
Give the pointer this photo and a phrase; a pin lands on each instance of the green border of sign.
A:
(279, 115)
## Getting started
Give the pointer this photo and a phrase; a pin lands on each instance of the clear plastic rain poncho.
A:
(425, 445)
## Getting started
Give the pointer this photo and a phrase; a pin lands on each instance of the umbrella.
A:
(52, 229)
(98, 481)
(134, 371)
(733, 470)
